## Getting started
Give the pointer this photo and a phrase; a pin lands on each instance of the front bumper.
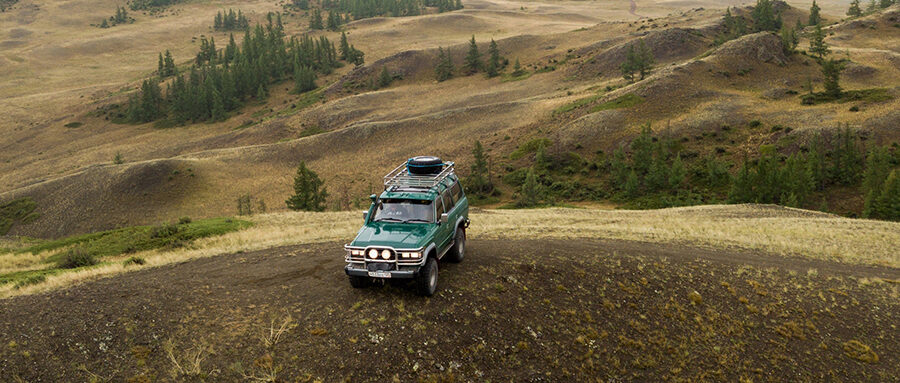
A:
(360, 270)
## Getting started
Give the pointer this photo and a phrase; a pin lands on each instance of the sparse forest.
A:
(231, 21)
(220, 81)
(121, 17)
(136, 5)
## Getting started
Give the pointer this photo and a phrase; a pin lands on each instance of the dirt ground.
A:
(523, 311)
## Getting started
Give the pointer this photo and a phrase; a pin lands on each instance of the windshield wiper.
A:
(389, 218)
(416, 220)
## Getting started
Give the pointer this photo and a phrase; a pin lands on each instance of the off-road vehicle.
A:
(420, 218)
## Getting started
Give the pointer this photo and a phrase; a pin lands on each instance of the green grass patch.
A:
(17, 211)
(74, 125)
(529, 147)
(863, 95)
(510, 77)
(306, 100)
(139, 238)
(625, 101)
(575, 104)
(311, 131)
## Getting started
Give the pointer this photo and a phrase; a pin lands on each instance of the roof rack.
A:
(400, 178)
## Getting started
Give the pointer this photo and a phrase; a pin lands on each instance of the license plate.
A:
(380, 274)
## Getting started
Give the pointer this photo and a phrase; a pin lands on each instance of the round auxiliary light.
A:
(373, 253)
(386, 254)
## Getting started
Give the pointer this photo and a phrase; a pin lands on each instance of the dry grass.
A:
(765, 228)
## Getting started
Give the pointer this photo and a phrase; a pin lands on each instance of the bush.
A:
(134, 261)
(75, 258)
(163, 231)
(185, 220)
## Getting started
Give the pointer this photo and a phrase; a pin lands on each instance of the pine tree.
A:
(645, 60)
(764, 18)
(315, 21)
(817, 44)
(855, 10)
(169, 64)
(444, 69)
(309, 192)
(658, 175)
(517, 69)
(493, 66)
(304, 79)
(814, 17)
(678, 173)
(479, 181)
(878, 167)
(345, 47)
(815, 163)
(334, 21)
(742, 186)
(619, 168)
(887, 205)
(789, 40)
(104, 24)
(632, 185)
(161, 67)
(218, 107)
(385, 78)
(847, 159)
(630, 65)
(530, 193)
(831, 70)
(473, 58)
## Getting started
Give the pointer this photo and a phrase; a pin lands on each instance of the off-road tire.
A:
(458, 252)
(359, 282)
(426, 281)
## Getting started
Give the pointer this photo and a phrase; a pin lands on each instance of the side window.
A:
(448, 200)
(456, 190)
(438, 209)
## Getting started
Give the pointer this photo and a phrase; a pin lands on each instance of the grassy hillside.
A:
(572, 93)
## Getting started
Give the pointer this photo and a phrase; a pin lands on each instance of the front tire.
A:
(359, 282)
(458, 252)
(426, 281)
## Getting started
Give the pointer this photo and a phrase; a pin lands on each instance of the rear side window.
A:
(438, 208)
(448, 199)
(456, 190)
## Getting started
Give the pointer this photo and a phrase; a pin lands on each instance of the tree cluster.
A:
(638, 61)
(444, 5)
(137, 5)
(362, 9)
(121, 17)
(479, 181)
(166, 66)
(443, 70)
(472, 63)
(221, 80)
(651, 168)
(763, 18)
(790, 182)
(881, 186)
(231, 21)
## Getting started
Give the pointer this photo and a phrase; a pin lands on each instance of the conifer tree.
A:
(878, 167)
(345, 46)
(855, 10)
(493, 66)
(385, 78)
(847, 159)
(789, 40)
(444, 69)
(315, 21)
(304, 79)
(517, 69)
(619, 168)
(630, 65)
(104, 24)
(645, 60)
(817, 44)
(473, 59)
(678, 173)
(764, 18)
(479, 181)
(831, 70)
(530, 193)
(814, 17)
(169, 64)
(632, 185)
(887, 205)
(309, 192)
(161, 67)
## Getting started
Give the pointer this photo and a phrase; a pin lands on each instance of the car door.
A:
(449, 228)
(440, 236)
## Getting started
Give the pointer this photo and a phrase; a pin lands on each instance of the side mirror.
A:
(373, 197)
(445, 218)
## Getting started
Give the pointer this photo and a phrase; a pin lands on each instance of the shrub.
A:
(184, 220)
(134, 261)
(163, 231)
(75, 258)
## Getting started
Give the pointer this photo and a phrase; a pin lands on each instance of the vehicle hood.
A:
(393, 234)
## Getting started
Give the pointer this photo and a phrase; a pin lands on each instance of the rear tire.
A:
(458, 252)
(426, 281)
(359, 282)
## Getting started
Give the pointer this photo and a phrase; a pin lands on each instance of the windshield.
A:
(404, 210)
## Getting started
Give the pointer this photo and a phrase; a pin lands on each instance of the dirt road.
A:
(545, 310)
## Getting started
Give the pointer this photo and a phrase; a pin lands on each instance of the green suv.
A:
(419, 219)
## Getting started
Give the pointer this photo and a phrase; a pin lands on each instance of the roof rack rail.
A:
(400, 178)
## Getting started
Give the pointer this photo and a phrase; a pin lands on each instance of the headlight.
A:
(357, 253)
(411, 255)
(386, 254)
(373, 253)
